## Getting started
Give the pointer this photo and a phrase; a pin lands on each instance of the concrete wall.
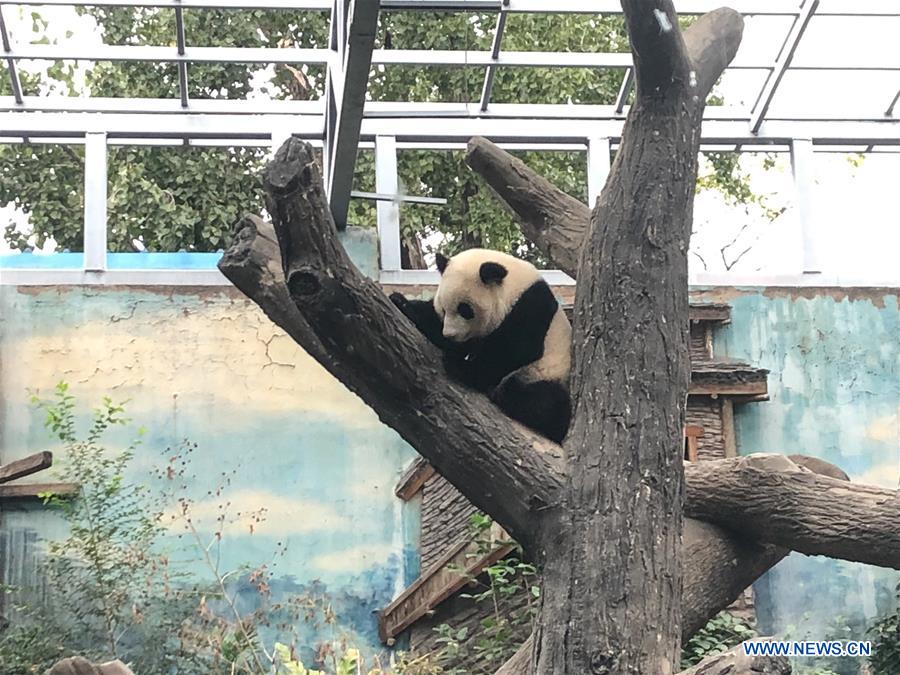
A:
(834, 357)
(205, 364)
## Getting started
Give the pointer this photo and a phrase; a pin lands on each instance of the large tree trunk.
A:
(604, 521)
(612, 596)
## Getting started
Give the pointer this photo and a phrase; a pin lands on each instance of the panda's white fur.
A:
(502, 332)
(461, 282)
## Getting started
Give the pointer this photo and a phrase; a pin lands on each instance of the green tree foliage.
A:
(186, 198)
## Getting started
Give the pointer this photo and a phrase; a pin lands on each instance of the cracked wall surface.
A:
(205, 364)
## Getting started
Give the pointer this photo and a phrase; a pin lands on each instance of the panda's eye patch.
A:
(464, 309)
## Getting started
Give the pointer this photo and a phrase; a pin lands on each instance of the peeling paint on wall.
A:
(834, 385)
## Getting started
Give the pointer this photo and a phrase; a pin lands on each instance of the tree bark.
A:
(718, 567)
(770, 498)
(611, 600)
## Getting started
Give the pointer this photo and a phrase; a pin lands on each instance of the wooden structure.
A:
(25, 467)
(446, 546)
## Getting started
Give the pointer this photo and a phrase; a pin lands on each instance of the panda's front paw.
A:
(399, 300)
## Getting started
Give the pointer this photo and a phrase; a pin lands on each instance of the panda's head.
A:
(477, 290)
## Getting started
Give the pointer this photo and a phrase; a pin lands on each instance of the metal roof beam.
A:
(409, 57)
(431, 130)
(495, 54)
(354, 25)
(782, 63)
(844, 8)
(10, 62)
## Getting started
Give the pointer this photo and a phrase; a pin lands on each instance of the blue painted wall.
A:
(834, 357)
(207, 365)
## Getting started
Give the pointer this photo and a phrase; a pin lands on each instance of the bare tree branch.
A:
(660, 57)
(551, 219)
(711, 42)
(771, 498)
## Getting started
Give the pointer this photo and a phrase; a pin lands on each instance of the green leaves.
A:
(723, 632)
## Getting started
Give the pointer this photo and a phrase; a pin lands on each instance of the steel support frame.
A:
(354, 23)
(803, 170)
(387, 212)
(95, 191)
(782, 63)
(14, 81)
(495, 55)
(428, 131)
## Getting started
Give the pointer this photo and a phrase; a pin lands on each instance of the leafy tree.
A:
(186, 198)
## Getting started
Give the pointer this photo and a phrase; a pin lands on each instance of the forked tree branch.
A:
(357, 334)
(553, 220)
(348, 324)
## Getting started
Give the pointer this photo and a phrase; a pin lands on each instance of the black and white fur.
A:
(503, 333)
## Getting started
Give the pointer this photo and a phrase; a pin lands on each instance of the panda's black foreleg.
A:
(544, 406)
(424, 316)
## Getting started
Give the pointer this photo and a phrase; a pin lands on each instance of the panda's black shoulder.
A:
(530, 314)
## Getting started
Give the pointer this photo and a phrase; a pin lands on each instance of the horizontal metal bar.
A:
(411, 199)
(293, 5)
(721, 132)
(887, 61)
(385, 109)
(164, 105)
(846, 8)
(170, 54)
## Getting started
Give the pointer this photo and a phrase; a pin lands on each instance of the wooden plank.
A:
(754, 389)
(691, 433)
(728, 427)
(25, 466)
(413, 480)
(434, 587)
(32, 490)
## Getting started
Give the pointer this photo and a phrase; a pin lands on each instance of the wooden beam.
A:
(35, 490)
(413, 480)
(25, 466)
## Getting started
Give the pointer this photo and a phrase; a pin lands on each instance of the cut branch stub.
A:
(348, 324)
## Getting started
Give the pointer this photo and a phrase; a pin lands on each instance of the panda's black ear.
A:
(492, 273)
(442, 262)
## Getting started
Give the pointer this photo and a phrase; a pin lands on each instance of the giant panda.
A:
(503, 333)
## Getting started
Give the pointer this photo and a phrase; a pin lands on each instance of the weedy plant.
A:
(720, 634)
(885, 636)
